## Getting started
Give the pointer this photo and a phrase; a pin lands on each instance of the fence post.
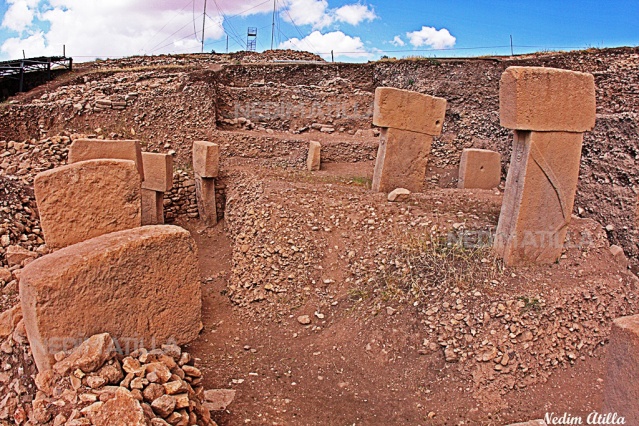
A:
(21, 89)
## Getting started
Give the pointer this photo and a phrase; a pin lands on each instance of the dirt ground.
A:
(363, 359)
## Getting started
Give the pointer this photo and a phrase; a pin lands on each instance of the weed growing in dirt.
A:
(426, 264)
(531, 303)
(362, 181)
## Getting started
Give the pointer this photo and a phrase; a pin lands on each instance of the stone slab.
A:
(95, 149)
(547, 99)
(539, 197)
(152, 207)
(408, 110)
(206, 204)
(87, 199)
(401, 162)
(158, 171)
(206, 159)
(142, 286)
(313, 162)
(621, 388)
(479, 168)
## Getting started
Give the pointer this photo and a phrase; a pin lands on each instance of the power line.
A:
(169, 21)
(166, 38)
(234, 33)
(299, 32)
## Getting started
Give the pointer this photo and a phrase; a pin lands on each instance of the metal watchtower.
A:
(251, 39)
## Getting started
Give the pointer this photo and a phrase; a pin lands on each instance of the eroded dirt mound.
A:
(345, 300)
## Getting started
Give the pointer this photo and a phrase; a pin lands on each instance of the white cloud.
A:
(97, 28)
(19, 15)
(354, 14)
(429, 36)
(111, 28)
(308, 12)
(344, 46)
(317, 13)
(397, 41)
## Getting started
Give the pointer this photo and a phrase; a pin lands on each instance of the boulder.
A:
(87, 199)
(121, 410)
(89, 357)
(399, 195)
(141, 285)
(15, 255)
(9, 319)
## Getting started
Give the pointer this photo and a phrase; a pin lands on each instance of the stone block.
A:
(539, 197)
(479, 168)
(547, 99)
(313, 162)
(142, 286)
(95, 149)
(87, 199)
(15, 255)
(407, 110)
(158, 171)
(401, 162)
(399, 195)
(621, 389)
(205, 195)
(152, 207)
(206, 159)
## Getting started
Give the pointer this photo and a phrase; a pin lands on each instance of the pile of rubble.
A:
(19, 224)
(247, 57)
(94, 385)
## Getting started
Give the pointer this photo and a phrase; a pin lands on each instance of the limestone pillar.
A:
(409, 120)
(549, 109)
(206, 159)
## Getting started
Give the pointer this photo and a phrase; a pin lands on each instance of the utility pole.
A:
(227, 43)
(203, 25)
(273, 30)
(511, 46)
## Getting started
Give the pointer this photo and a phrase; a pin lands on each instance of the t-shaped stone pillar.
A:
(549, 109)
(409, 120)
(206, 165)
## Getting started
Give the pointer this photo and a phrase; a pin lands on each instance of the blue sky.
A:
(357, 30)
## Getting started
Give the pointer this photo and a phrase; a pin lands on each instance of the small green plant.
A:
(357, 294)
(530, 303)
(411, 82)
(362, 181)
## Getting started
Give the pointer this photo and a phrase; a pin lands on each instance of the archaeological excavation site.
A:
(272, 239)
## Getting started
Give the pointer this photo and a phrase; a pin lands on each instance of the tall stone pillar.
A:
(409, 120)
(549, 110)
